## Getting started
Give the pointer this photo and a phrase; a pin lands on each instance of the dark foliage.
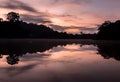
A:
(13, 17)
(109, 51)
(109, 31)
(23, 30)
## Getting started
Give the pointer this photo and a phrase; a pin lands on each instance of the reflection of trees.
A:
(1, 19)
(109, 51)
(1, 55)
(12, 59)
(16, 48)
(20, 47)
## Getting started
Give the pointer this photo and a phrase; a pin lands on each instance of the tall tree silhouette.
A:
(13, 16)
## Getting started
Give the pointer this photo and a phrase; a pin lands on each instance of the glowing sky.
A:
(71, 16)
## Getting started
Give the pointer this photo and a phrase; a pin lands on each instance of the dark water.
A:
(59, 61)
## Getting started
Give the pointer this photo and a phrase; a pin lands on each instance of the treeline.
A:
(109, 31)
(14, 28)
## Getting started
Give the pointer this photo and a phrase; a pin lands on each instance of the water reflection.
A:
(17, 48)
(109, 51)
(59, 61)
(12, 59)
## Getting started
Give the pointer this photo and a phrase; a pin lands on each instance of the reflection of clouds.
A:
(33, 56)
(70, 53)
(14, 71)
(70, 56)
(64, 53)
(75, 64)
(88, 47)
(72, 47)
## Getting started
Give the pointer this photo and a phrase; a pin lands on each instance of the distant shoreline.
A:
(83, 41)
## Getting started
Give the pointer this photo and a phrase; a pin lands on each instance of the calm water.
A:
(59, 61)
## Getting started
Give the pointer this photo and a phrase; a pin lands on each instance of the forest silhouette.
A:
(109, 31)
(13, 27)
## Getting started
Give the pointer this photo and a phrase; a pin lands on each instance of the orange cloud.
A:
(74, 31)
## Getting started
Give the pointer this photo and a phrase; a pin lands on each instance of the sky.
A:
(71, 16)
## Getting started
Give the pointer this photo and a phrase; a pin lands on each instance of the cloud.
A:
(14, 4)
(35, 19)
(70, 1)
(81, 29)
(73, 29)
(57, 28)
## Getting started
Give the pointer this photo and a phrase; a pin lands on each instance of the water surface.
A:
(59, 61)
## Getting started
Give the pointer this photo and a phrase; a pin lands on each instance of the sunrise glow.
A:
(64, 13)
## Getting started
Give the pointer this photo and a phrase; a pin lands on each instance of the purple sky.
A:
(72, 16)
